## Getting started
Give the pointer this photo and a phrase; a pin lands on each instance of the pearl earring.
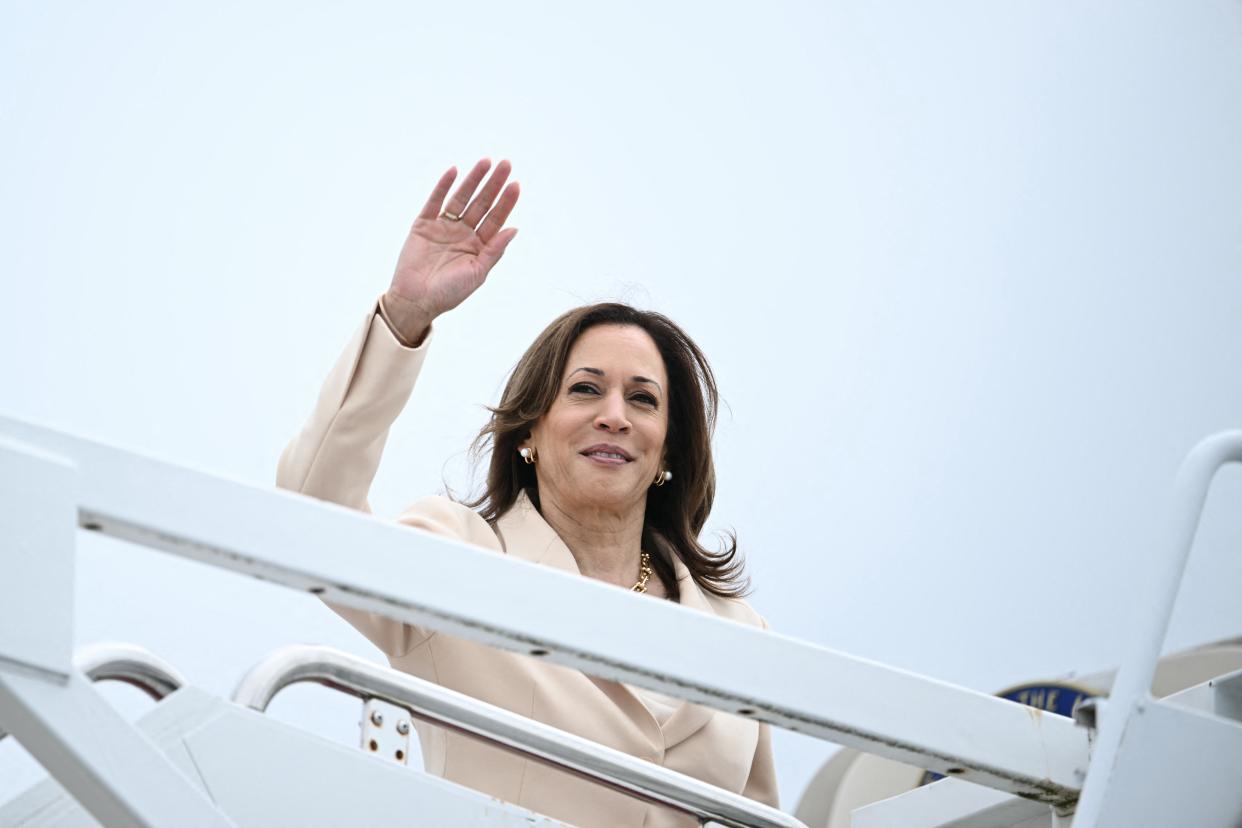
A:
(529, 455)
(663, 477)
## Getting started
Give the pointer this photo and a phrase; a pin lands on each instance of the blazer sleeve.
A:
(761, 784)
(439, 516)
(337, 452)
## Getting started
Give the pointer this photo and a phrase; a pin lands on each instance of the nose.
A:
(611, 415)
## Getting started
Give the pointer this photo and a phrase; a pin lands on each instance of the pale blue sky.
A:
(969, 274)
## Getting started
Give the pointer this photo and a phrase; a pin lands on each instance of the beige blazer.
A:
(335, 458)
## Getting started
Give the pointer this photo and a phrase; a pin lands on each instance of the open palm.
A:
(452, 246)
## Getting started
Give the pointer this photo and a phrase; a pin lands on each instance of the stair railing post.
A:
(107, 765)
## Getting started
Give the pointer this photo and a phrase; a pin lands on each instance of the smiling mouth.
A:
(606, 455)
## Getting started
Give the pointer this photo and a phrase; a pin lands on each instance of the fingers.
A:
(494, 249)
(457, 204)
(499, 214)
(483, 201)
(432, 208)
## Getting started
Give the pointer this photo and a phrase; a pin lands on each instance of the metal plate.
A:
(385, 731)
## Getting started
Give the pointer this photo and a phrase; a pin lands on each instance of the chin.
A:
(607, 495)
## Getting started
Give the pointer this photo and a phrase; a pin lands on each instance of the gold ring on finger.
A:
(451, 216)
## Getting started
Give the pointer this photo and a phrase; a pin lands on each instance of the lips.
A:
(607, 451)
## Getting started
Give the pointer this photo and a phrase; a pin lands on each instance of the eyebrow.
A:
(636, 378)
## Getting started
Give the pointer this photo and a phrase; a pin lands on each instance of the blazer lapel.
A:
(689, 718)
(525, 534)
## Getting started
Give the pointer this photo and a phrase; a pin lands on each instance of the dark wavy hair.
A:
(676, 511)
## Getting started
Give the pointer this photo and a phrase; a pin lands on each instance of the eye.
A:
(583, 388)
(645, 399)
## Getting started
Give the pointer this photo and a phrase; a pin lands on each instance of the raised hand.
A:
(451, 247)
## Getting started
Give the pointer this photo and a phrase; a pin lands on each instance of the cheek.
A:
(559, 431)
(659, 439)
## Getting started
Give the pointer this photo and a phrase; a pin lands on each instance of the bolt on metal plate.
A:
(385, 731)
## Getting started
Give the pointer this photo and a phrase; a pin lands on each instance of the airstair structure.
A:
(199, 760)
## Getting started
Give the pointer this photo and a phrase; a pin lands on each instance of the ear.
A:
(529, 440)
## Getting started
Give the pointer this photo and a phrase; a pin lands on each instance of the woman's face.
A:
(601, 443)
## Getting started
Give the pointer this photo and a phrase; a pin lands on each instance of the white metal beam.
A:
(356, 560)
(54, 712)
(950, 803)
(1176, 766)
(1131, 692)
(268, 774)
(38, 529)
(110, 768)
(494, 725)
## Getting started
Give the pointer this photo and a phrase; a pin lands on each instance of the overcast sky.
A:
(968, 272)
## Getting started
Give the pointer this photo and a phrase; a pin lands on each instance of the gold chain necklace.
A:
(644, 572)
